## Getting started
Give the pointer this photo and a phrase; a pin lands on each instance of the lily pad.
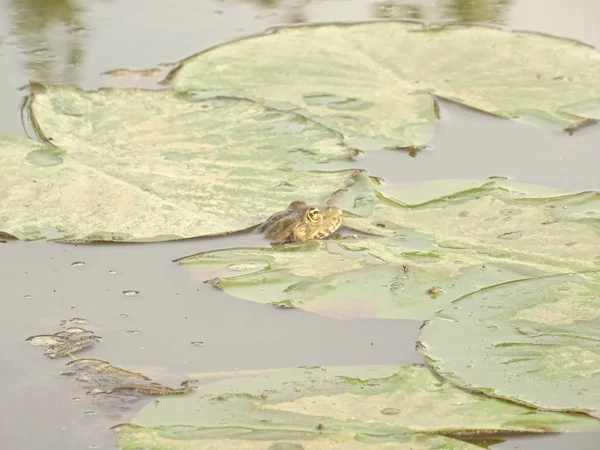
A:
(338, 407)
(355, 277)
(500, 219)
(158, 439)
(374, 81)
(135, 165)
(534, 342)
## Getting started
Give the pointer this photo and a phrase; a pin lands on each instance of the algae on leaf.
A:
(373, 82)
(535, 342)
(135, 165)
(337, 407)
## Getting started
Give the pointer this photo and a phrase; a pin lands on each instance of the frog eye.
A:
(314, 214)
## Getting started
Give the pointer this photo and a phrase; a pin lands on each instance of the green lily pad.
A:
(500, 219)
(135, 165)
(363, 277)
(338, 407)
(159, 439)
(534, 342)
(374, 81)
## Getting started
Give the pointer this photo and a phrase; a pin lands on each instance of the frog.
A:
(302, 222)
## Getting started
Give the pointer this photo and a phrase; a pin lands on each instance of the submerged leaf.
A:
(338, 407)
(374, 81)
(535, 342)
(67, 342)
(134, 165)
(102, 377)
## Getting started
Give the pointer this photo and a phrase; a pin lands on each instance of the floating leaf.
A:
(374, 81)
(557, 233)
(366, 277)
(140, 165)
(339, 407)
(157, 439)
(535, 342)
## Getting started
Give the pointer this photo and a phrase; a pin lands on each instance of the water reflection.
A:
(50, 36)
(292, 11)
(492, 11)
(483, 11)
(397, 10)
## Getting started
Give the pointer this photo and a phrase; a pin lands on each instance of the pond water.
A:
(65, 41)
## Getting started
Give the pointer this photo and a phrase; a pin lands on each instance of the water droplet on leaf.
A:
(44, 158)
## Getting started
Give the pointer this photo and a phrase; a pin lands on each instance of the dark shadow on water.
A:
(40, 27)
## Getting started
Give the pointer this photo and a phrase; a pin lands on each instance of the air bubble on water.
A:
(131, 293)
(89, 413)
(77, 264)
(197, 343)
(133, 331)
(27, 296)
(112, 272)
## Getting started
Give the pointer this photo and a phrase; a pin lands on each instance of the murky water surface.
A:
(153, 316)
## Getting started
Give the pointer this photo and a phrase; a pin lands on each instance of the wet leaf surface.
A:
(134, 165)
(342, 76)
(502, 220)
(534, 342)
(355, 277)
(339, 407)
